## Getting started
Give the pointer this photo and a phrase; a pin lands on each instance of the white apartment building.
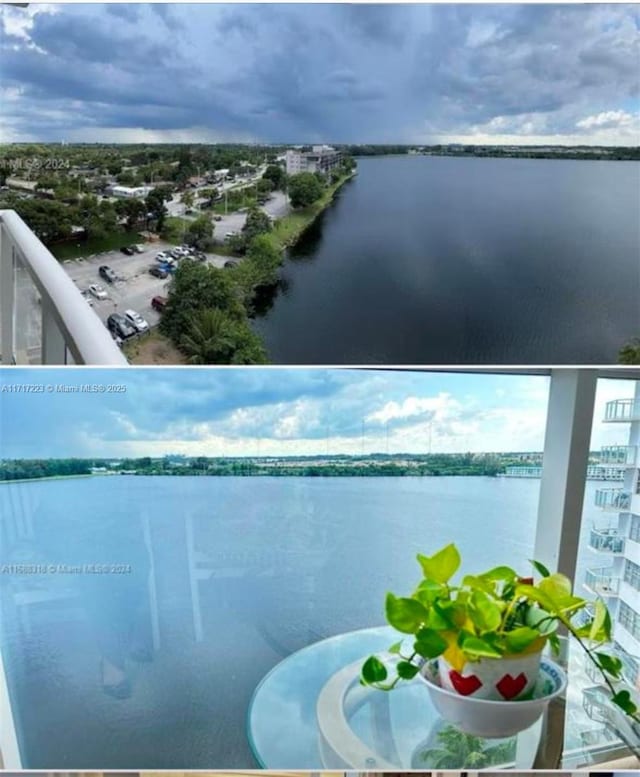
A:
(618, 579)
(129, 192)
(320, 159)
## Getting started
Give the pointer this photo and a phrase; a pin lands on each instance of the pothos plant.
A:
(493, 615)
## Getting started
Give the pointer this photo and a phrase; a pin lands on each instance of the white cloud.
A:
(609, 119)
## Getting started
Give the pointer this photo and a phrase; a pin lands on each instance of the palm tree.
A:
(209, 338)
(458, 750)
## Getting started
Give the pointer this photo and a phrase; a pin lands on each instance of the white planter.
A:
(498, 679)
(489, 718)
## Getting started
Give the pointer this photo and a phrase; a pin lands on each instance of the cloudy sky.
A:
(304, 73)
(237, 412)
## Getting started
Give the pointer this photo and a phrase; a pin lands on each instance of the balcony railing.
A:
(619, 455)
(43, 316)
(613, 499)
(622, 410)
(606, 540)
(602, 581)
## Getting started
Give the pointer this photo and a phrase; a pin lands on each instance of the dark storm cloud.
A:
(315, 72)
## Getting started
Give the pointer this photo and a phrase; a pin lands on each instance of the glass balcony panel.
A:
(606, 540)
(602, 581)
(619, 455)
(622, 410)
(613, 499)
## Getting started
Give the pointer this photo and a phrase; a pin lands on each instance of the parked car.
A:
(162, 256)
(230, 263)
(177, 253)
(136, 320)
(127, 250)
(87, 295)
(108, 274)
(138, 248)
(159, 303)
(97, 291)
(118, 325)
(158, 272)
(200, 256)
(217, 218)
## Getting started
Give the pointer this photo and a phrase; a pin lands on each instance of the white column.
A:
(7, 296)
(564, 468)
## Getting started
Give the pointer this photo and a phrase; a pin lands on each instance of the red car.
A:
(159, 303)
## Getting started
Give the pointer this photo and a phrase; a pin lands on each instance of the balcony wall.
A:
(622, 411)
(43, 316)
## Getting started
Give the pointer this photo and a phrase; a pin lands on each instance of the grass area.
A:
(83, 248)
(153, 348)
(286, 231)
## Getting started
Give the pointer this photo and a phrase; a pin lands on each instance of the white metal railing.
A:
(71, 333)
(606, 540)
(602, 581)
(622, 410)
(613, 499)
(618, 455)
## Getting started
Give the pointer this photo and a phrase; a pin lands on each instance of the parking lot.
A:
(134, 288)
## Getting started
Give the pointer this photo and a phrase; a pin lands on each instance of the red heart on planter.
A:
(465, 686)
(510, 687)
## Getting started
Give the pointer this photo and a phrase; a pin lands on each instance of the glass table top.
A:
(310, 712)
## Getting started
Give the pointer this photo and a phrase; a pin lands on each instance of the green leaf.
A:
(442, 565)
(396, 647)
(623, 700)
(429, 592)
(485, 614)
(405, 615)
(478, 647)
(519, 639)
(540, 568)
(600, 630)
(429, 643)
(554, 641)
(407, 670)
(373, 671)
(611, 664)
(499, 573)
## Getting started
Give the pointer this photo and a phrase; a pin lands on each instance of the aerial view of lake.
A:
(207, 583)
(445, 260)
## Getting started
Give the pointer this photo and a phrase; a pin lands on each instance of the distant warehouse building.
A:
(128, 192)
(320, 159)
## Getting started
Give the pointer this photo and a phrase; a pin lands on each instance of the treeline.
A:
(615, 153)
(374, 466)
(31, 469)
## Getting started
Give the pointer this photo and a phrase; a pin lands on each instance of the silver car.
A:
(136, 320)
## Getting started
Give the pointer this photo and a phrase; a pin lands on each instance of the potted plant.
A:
(478, 644)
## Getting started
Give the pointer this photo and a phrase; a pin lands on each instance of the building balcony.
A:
(613, 499)
(602, 582)
(606, 540)
(43, 317)
(622, 411)
(619, 456)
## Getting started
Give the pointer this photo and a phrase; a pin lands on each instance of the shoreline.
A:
(47, 477)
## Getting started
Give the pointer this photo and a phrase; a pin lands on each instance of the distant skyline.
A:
(279, 412)
(299, 73)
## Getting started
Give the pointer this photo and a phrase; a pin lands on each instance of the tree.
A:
(276, 175)
(304, 189)
(209, 338)
(630, 353)
(458, 750)
(199, 232)
(196, 286)
(155, 204)
(187, 198)
(132, 209)
(213, 337)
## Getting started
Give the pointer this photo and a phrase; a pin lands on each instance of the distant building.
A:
(320, 159)
(128, 192)
(594, 472)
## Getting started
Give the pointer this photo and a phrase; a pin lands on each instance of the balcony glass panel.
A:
(623, 455)
(613, 498)
(622, 410)
(607, 540)
(602, 581)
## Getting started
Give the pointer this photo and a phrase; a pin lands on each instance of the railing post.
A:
(7, 296)
(54, 349)
(9, 750)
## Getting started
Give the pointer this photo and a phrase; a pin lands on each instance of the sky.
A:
(343, 73)
(279, 411)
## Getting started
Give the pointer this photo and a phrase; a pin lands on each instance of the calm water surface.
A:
(225, 578)
(444, 260)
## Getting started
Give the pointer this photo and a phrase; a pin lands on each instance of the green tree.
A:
(155, 204)
(630, 353)
(457, 750)
(187, 198)
(199, 232)
(213, 337)
(304, 189)
(276, 175)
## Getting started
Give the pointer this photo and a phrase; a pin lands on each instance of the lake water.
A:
(446, 260)
(226, 577)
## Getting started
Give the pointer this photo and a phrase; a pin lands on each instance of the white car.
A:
(162, 256)
(136, 320)
(97, 291)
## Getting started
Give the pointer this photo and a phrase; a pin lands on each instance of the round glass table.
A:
(310, 712)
